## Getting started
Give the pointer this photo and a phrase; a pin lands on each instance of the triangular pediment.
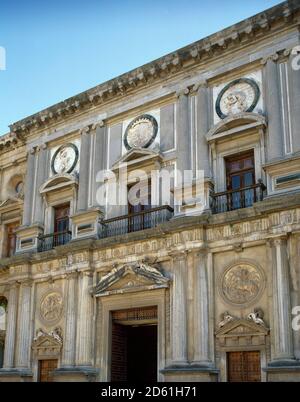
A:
(131, 278)
(46, 341)
(240, 327)
(134, 156)
(11, 201)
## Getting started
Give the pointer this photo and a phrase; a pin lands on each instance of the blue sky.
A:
(56, 49)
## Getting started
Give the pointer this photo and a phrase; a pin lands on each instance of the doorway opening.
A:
(134, 345)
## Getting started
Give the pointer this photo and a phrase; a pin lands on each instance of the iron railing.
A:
(49, 241)
(136, 221)
(237, 199)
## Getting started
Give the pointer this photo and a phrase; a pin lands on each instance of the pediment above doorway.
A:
(132, 277)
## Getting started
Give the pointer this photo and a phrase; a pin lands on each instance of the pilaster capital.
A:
(72, 275)
(32, 151)
(178, 254)
(182, 92)
(271, 58)
(100, 124)
(199, 85)
(85, 273)
(85, 130)
(26, 282)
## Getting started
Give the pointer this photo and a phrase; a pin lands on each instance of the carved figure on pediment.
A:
(257, 316)
(226, 318)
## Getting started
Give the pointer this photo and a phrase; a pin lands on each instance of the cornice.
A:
(198, 52)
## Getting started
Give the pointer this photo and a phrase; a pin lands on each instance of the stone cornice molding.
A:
(200, 51)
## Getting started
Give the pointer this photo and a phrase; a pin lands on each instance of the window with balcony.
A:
(61, 234)
(242, 190)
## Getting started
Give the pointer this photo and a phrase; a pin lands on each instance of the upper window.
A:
(11, 239)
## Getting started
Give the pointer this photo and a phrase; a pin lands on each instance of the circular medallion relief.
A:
(64, 159)
(238, 96)
(51, 307)
(141, 132)
(241, 284)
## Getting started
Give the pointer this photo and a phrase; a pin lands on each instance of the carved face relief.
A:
(51, 307)
(141, 132)
(65, 159)
(241, 284)
(239, 96)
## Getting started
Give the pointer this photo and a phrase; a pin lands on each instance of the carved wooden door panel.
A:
(46, 368)
(243, 366)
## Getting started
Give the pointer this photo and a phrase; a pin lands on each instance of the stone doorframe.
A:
(107, 304)
(241, 335)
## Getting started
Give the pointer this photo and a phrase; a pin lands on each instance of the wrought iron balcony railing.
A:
(49, 241)
(237, 199)
(135, 222)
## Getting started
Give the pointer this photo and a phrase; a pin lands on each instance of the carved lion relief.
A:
(241, 284)
(51, 307)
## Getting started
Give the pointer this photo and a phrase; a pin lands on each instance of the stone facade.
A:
(221, 281)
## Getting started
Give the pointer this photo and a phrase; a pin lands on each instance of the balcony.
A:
(135, 222)
(49, 241)
(237, 199)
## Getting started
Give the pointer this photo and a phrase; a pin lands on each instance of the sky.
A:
(57, 49)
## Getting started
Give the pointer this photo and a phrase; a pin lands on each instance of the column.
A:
(273, 107)
(68, 353)
(202, 128)
(283, 349)
(85, 158)
(183, 131)
(179, 310)
(29, 188)
(41, 176)
(294, 89)
(10, 337)
(85, 320)
(100, 162)
(24, 318)
(201, 310)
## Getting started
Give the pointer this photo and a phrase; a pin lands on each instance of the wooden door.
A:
(46, 368)
(243, 366)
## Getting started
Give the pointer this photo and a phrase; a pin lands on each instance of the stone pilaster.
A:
(202, 103)
(273, 108)
(23, 339)
(179, 310)
(282, 331)
(41, 176)
(100, 161)
(84, 174)
(85, 320)
(69, 345)
(294, 91)
(10, 338)
(183, 131)
(29, 188)
(201, 317)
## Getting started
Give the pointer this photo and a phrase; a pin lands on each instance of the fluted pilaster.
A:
(10, 338)
(85, 320)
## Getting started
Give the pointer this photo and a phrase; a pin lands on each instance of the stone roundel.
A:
(65, 159)
(242, 284)
(51, 307)
(141, 132)
(238, 96)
